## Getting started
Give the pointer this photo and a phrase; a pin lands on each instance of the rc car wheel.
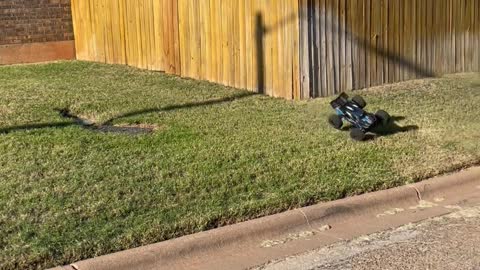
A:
(359, 101)
(357, 134)
(335, 121)
(383, 117)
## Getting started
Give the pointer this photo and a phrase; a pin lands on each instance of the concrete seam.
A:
(306, 218)
(419, 195)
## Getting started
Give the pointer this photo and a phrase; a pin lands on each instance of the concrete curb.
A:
(172, 252)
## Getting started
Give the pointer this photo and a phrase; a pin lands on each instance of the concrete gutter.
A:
(255, 242)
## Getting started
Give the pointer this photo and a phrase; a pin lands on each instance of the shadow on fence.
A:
(261, 30)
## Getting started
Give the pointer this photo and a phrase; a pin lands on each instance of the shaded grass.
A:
(222, 155)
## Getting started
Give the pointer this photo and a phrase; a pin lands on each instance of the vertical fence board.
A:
(323, 47)
(391, 41)
(355, 43)
(336, 43)
(475, 31)
(295, 41)
(218, 40)
(348, 49)
(304, 43)
(342, 45)
(275, 48)
(373, 41)
(315, 46)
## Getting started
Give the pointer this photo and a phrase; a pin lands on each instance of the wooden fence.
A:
(140, 33)
(284, 48)
(216, 40)
(354, 44)
(242, 43)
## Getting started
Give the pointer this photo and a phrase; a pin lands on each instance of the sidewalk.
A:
(443, 243)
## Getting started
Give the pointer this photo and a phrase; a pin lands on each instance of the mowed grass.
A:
(218, 155)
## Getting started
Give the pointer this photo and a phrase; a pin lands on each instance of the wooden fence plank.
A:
(274, 33)
(304, 57)
(182, 22)
(471, 14)
(463, 18)
(315, 29)
(323, 48)
(437, 38)
(363, 44)
(330, 26)
(448, 37)
(141, 35)
(249, 44)
(376, 37)
(476, 38)
(417, 36)
(293, 59)
(342, 47)
(348, 48)
(256, 16)
(401, 39)
(406, 52)
(455, 18)
(219, 59)
(242, 45)
(356, 48)
(203, 23)
(391, 41)
(385, 36)
(336, 43)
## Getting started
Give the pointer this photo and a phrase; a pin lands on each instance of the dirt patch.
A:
(121, 130)
(125, 129)
(137, 129)
(144, 126)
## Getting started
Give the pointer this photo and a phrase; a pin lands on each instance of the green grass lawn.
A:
(218, 155)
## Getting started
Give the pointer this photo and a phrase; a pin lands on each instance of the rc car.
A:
(352, 111)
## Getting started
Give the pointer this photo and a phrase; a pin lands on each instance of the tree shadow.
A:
(35, 126)
(108, 127)
(364, 44)
(260, 31)
(189, 105)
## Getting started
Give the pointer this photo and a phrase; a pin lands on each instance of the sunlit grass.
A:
(218, 155)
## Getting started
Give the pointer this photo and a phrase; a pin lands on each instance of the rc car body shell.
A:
(351, 112)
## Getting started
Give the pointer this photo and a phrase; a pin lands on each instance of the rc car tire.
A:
(357, 134)
(359, 101)
(383, 116)
(335, 121)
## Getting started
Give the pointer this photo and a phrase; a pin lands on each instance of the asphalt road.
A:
(450, 242)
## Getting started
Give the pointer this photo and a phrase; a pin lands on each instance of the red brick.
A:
(28, 21)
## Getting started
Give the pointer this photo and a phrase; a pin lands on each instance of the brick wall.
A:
(30, 21)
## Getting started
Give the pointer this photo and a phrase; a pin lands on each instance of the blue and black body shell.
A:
(353, 113)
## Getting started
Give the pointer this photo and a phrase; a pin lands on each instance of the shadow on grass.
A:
(35, 126)
(108, 127)
(390, 129)
(181, 106)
